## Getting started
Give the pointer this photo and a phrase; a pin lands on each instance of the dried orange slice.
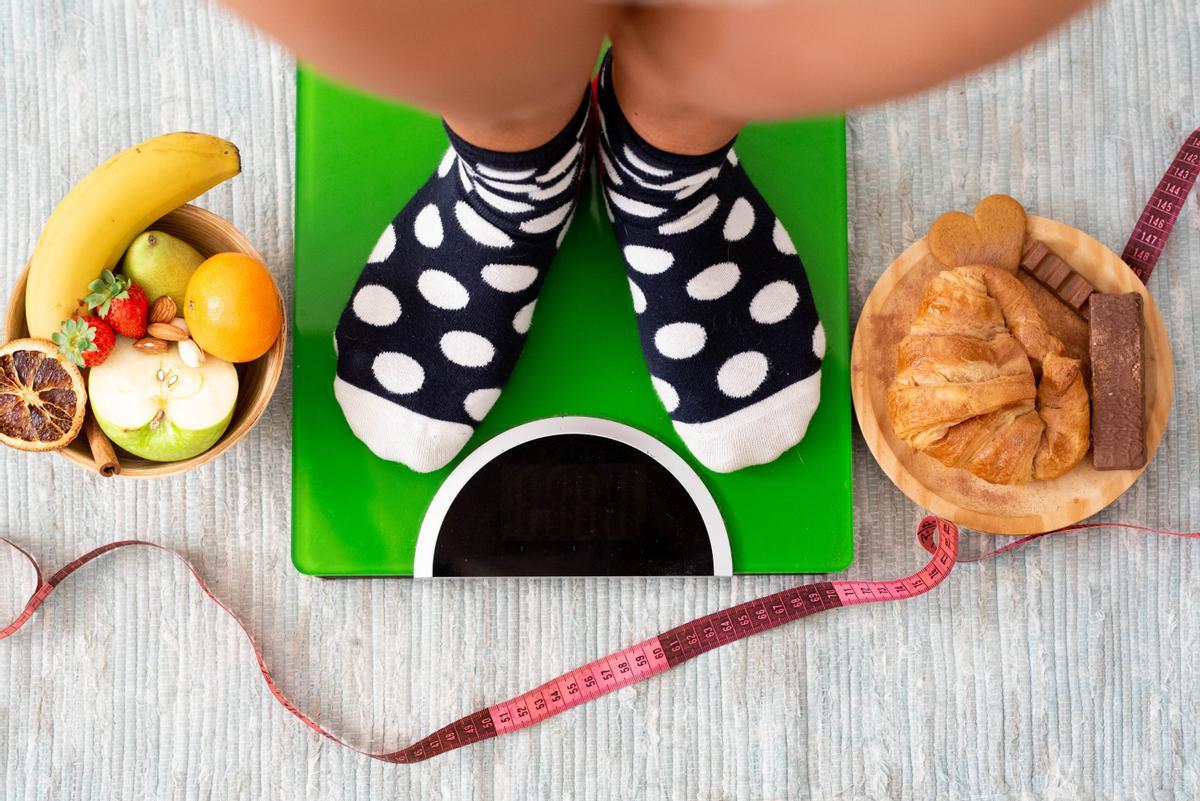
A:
(42, 396)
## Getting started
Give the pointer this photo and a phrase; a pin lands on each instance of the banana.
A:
(102, 214)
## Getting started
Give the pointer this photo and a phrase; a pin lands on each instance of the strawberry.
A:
(85, 341)
(120, 302)
(127, 316)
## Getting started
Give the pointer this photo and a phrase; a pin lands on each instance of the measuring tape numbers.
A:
(1154, 224)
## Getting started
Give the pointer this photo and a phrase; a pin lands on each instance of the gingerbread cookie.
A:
(994, 235)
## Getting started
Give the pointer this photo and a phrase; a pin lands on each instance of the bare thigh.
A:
(509, 69)
(783, 58)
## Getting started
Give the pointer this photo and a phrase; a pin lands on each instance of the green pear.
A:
(157, 407)
(161, 265)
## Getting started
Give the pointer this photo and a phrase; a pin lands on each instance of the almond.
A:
(166, 331)
(190, 353)
(150, 345)
(162, 310)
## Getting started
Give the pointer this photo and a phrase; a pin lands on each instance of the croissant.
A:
(1065, 409)
(982, 385)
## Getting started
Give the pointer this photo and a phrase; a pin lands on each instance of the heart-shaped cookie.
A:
(994, 235)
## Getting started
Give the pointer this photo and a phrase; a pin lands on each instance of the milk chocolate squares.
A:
(1057, 276)
(1118, 382)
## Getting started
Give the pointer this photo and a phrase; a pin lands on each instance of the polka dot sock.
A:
(439, 314)
(727, 322)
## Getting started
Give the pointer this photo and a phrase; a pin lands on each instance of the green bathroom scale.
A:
(576, 470)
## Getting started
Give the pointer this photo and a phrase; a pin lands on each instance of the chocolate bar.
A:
(1059, 277)
(1118, 382)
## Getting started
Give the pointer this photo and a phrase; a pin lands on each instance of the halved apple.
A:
(158, 408)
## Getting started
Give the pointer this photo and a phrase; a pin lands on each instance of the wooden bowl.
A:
(209, 234)
(955, 493)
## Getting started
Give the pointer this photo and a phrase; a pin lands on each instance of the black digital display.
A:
(572, 505)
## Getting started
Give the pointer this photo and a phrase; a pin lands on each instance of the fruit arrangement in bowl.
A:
(146, 335)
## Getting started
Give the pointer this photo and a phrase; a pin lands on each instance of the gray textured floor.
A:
(1068, 670)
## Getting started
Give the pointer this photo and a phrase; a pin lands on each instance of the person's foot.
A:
(728, 326)
(439, 314)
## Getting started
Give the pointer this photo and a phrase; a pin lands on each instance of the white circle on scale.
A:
(435, 515)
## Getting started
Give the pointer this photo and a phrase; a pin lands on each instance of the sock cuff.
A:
(571, 134)
(621, 131)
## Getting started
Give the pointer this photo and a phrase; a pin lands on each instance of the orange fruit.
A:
(232, 307)
(42, 397)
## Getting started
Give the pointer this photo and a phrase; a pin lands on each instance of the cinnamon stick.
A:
(102, 449)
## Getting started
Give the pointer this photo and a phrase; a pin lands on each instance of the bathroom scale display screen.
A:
(571, 504)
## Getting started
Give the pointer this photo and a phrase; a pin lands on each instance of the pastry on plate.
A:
(982, 385)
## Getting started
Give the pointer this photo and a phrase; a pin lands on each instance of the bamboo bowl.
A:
(208, 233)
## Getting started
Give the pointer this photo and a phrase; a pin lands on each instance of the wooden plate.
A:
(957, 494)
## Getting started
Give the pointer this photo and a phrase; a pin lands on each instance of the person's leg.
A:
(439, 314)
(728, 326)
(505, 75)
(690, 75)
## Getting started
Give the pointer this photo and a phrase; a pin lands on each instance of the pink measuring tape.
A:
(621, 668)
(1162, 210)
(673, 647)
